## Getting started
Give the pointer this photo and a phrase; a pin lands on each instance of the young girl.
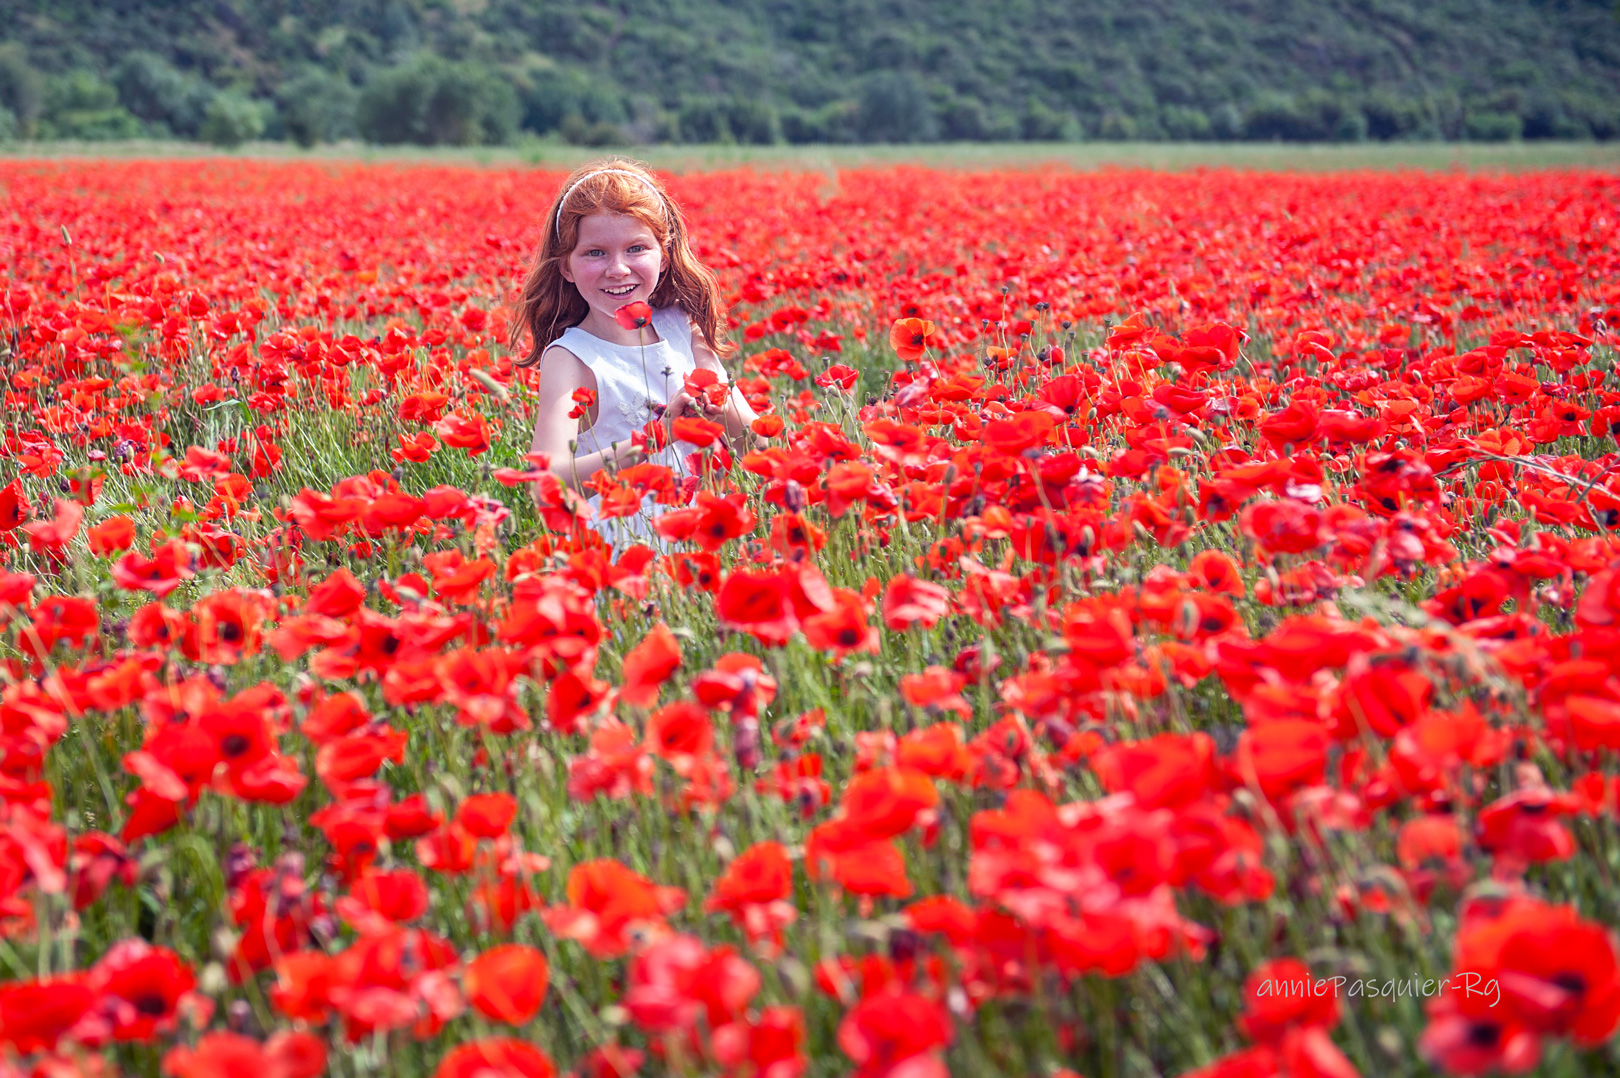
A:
(614, 238)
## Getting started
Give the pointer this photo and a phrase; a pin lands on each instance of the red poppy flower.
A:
(1524, 825)
(633, 315)
(908, 601)
(149, 980)
(1295, 425)
(160, 574)
(773, 1044)
(909, 337)
(571, 697)
(1281, 995)
(758, 603)
(35, 1014)
(697, 430)
(112, 535)
(232, 1055)
(507, 983)
(879, 804)
(584, 400)
(13, 505)
(711, 522)
(398, 896)
(1283, 526)
(1218, 572)
(937, 751)
(464, 432)
(60, 617)
(1282, 756)
(754, 890)
(844, 628)
(605, 901)
(1022, 432)
(889, 1034)
(839, 374)
(648, 665)
(680, 731)
(51, 537)
(487, 815)
(495, 1057)
(225, 627)
(611, 1061)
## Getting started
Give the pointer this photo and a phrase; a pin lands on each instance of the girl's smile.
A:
(616, 261)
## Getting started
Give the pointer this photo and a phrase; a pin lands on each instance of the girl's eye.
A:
(593, 252)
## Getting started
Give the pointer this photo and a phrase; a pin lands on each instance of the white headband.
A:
(602, 172)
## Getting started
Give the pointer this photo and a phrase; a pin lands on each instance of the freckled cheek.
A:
(648, 268)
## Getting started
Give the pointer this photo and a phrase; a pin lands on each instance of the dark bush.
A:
(578, 131)
(753, 120)
(704, 119)
(893, 107)
(1390, 117)
(1492, 126)
(1226, 121)
(22, 89)
(165, 97)
(233, 118)
(550, 95)
(1313, 117)
(433, 102)
(832, 122)
(1116, 127)
(1185, 123)
(1039, 123)
(1278, 117)
(317, 106)
(78, 105)
(1544, 116)
(1600, 118)
(964, 119)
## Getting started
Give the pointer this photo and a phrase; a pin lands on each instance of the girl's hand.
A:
(683, 404)
(710, 408)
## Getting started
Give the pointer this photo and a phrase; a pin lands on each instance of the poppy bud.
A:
(745, 745)
(239, 1016)
(905, 945)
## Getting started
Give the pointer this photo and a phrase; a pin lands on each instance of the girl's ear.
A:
(562, 268)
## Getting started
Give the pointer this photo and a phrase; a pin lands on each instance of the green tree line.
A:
(468, 72)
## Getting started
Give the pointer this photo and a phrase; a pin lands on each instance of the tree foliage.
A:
(156, 91)
(837, 70)
(432, 101)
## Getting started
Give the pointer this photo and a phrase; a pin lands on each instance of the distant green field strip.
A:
(1084, 155)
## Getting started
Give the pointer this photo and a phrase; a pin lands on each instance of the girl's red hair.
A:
(551, 304)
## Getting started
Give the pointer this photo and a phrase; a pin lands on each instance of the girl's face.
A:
(616, 261)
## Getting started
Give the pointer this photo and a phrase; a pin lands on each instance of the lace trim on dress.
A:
(636, 407)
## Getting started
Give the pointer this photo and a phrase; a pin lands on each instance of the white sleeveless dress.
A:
(630, 379)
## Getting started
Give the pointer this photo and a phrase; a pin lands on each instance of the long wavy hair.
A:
(551, 304)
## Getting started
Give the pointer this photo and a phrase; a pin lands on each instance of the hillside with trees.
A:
(638, 71)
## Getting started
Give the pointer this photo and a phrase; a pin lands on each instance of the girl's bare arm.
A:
(556, 432)
(737, 414)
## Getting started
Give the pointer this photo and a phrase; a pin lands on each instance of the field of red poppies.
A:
(1172, 625)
